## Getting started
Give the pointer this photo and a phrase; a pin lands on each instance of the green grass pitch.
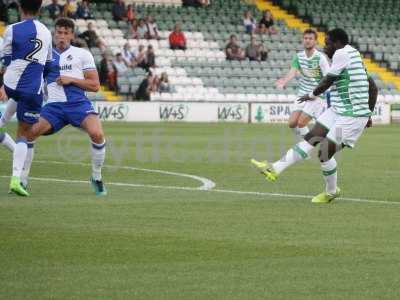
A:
(157, 236)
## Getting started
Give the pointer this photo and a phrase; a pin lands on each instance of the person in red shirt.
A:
(177, 39)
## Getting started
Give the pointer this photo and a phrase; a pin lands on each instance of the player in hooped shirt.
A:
(71, 73)
(27, 48)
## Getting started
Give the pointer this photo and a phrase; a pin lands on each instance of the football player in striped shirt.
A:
(27, 48)
(311, 65)
(353, 99)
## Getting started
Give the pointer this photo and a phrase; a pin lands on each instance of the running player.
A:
(5, 138)
(311, 65)
(72, 72)
(27, 47)
(353, 99)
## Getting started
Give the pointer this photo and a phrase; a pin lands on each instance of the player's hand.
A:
(304, 99)
(369, 123)
(3, 95)
(280, 84)
(65, 80)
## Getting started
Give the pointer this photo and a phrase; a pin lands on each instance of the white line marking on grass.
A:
(207, 184)
(262, 194)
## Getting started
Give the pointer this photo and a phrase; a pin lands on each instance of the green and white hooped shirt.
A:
(349, 93)
(312, 69)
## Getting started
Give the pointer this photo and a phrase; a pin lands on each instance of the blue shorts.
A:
(28, 105)
(61, 114)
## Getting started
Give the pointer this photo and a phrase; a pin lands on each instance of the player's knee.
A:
(302, 123)
(97, 136)
(292, 124)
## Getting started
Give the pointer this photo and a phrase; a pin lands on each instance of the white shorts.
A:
(311, 108)
(342, 130)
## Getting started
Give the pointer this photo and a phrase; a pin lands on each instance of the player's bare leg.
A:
(297, 122)
(93, 127)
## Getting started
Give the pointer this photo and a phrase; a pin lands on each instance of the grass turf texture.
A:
(149, 243)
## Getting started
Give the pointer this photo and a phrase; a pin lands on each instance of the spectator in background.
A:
(55, 10)
(249, 23)
(149, 59)
(163, 84)
(3, 11)
(130, 13)
(83, 11)
(255, 51)
(233, 50)
(139, 55)
(120, 65)
(266, 24)
(69, 9)
(177, 39)
(152, 28)
(91, 38)
(252, 50)
(119, 11)
(107, 72)
(134, 29)
(143, 31)
(146, 87)
(128, 55)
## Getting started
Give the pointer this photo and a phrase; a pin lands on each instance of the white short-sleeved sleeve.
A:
(324, 65)
(6, 48)
(50, 52)
(340, 60)
(88, 61)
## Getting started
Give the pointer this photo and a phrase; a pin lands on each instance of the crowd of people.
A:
(145, 27)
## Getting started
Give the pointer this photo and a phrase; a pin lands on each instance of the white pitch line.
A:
(207, 184)
(180, 188)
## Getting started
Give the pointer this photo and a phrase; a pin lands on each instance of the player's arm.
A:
(294, 70)
(339, 62)
(282, 82)
(91, 83)
(372, 94)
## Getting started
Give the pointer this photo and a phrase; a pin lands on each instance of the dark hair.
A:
(66, 23)
(30, 6)
(118, 54)
(338, 34)
(311, 31)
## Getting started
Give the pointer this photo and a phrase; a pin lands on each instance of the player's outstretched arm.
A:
(372, 94)
(91, 83)
(282, 82)
(322, 87)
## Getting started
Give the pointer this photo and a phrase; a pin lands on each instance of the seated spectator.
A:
(143, 31)
(69, 9)
(152, 32)
(134, 29)
(249, 23)
(107, 72)
(177, 39)
(91, 38)
(128, 55)
(252, 50)
(146, 87)
(130, 13)
(83, 11)
(266, 24)
(149, 59)
(264, 52)
(196, 3)
(233, 50)
(255, 51)
(163, 84)
(55, 10)
(119, 11)
(139, 55)
(120, 65)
